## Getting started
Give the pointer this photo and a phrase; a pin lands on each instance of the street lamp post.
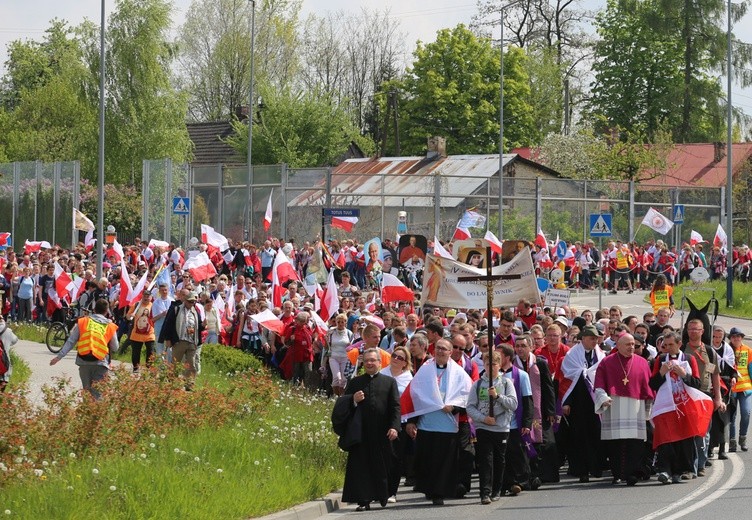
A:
(501, 120)
(100, 169)
(729, 172)
(249, 213)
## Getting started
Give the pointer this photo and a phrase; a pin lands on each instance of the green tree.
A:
(452, 90)
(658, 61)
(145, 116)
(300, 129)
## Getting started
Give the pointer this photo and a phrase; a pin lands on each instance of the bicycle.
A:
(59, 331)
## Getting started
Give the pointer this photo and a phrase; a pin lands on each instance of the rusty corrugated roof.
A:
(407, 180)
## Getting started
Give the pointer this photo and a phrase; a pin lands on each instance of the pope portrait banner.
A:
(443, 288)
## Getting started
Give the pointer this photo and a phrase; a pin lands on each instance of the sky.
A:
(420, 19)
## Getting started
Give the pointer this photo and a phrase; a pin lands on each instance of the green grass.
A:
(21, 372)
(253, 467)
(30, 332)
(742, 304)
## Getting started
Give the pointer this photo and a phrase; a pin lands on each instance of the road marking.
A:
(737, 473)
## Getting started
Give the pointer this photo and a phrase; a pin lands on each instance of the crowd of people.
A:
(419, 392)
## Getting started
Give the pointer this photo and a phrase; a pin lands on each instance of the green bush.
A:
(228, 360)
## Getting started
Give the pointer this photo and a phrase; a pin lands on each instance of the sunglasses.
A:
(400, 358)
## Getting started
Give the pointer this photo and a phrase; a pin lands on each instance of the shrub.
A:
(228, 360)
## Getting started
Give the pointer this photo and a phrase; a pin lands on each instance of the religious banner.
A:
(442, 287)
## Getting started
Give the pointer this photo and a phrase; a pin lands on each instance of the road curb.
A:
(309, 510)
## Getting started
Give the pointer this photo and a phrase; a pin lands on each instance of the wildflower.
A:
(196, 459)
(152, 445)
(256, 462)
(69, 488)
(45, 463)
(95, 471)
(43, 477)
(153, 436)
(143, 455)
(176, 450)
(38, 472)
(113, 488)
(219, 470)
(72, 455)
(292, 456)
(7, 511)
(162, 436)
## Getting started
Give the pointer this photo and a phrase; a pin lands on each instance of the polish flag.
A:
(125, 286)
(495, 242)
(695, 238)
(33, 247)
(392, 290)
(371, 306)
(423, 396)
(282, 271)
(200, 267)
(4, 237)
(214, 239)
(540, 239)
(330, 300)
(268, 215)
(79, 286)
(64, 285)
(220, 305)
(89, 240)
(679, 412)
(116, 252)
(269, 321)
(720, 239)
(438, 250)
(321, 326)
(344, 223)
(461, 233)
(135, 294)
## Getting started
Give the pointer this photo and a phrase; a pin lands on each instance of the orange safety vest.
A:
(94, 337)
(742, 367)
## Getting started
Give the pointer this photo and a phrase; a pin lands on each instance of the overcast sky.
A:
(420, 19)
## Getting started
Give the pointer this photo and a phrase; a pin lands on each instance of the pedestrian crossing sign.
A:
(600, 224)
(678, 214)
(181, 205)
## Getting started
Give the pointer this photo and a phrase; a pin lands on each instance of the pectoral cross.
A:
(489, 278)
(625, 380)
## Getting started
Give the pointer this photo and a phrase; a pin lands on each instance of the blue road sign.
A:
(600, 225)
(341, 212)
(181, 205)
(678, 214)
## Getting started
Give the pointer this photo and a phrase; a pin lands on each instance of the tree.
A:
(658, 61)
(214, 53)
(452, 90)
(145, 116)
(300, 129)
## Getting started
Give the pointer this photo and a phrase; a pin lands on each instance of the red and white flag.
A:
(657, 222)
(214, 239)
(422, 394)
(125, 286)
(330, 300)
(392, 290)
(282, 271)
(720, 239)
(269, 321)
(679, 411)
(268, 215)
(64, 285)
(371, 306)
(440, 251)
(200, 267)
(321, 326)
(495, 242)
(4, 238)
(89, 240)
(461, 233)
(135, 294)
(33, 247)
(695, 238)
(220, 305)
(344, 223)
(116, 252)
(540, 239)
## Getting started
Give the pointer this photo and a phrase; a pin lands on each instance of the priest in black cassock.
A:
(370, 461)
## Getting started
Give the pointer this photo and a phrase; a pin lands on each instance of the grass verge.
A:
(699, 295)
(151, 450)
